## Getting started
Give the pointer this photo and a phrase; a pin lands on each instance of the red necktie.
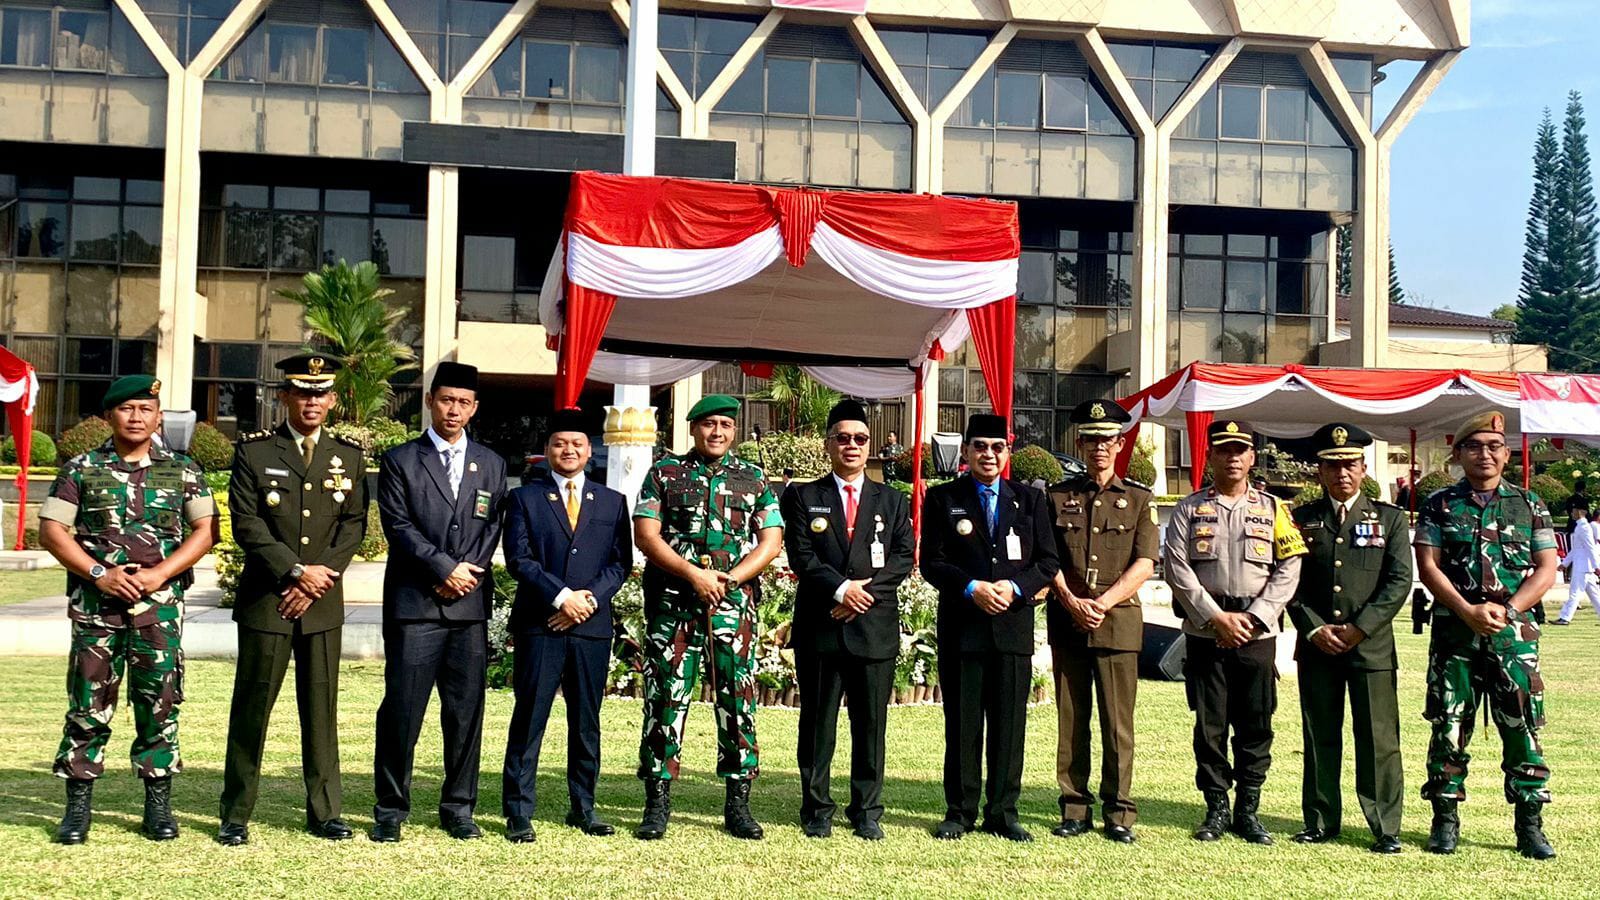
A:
(849, 512)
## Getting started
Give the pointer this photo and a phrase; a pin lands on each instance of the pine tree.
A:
(1532, 296)
(1571, 273)
(1397, 294)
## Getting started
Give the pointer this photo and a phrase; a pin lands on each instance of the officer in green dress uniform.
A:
(1487, 552)
(298, 498)
(1353, 581)
(115, 519)
(707, 524)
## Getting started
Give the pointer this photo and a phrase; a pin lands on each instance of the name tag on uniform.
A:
(480, 504)
(819, 509)
(878, 560)
(1314, 525)
(282, 472)
(1013, 547)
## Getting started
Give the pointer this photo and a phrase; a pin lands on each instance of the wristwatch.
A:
(297, 571)
(95, 571)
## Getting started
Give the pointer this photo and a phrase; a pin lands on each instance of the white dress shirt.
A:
(458, 461)
(839, 484)
(578, 481)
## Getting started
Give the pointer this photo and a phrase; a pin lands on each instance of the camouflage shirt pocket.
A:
(1515, 552)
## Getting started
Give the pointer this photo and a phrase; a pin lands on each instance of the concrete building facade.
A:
(167, 167)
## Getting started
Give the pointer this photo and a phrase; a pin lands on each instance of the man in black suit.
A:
(987, 546)
(439, 500)
(850, 544)
(569, 542)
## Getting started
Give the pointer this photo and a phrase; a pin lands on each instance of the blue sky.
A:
(1461, 170)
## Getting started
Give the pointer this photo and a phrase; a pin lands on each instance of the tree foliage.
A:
(345, 309)
(803, 402)
(1559, 295)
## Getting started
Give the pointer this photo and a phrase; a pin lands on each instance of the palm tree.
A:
(345, 308)
(807, 401)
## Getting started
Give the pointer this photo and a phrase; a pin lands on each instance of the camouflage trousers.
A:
(1463, 671)
(153, 657)
(674, 651)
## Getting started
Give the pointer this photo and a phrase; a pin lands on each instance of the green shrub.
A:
(1142, 467)
(1551, 491)
(905, 463)
(211, 448)
(1033, 463)
(1433, 481)
(42, 453)
(373, 544)
(779, 450)
(230, 565)
(218, 480)
(83, 437)
(376, 437)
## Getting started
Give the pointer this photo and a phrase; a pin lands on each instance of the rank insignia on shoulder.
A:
(1154, 519)
(1205, 509)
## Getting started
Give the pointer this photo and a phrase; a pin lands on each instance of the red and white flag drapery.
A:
(1561, 406)
(1295, 400)
(19, 391)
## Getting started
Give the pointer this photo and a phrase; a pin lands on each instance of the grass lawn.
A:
(16, 587)
(696, 859)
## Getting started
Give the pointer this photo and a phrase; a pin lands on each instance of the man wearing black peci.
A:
(850, 544)
(988, 547)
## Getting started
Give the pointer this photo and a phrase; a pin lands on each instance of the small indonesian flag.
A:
(853, 7)
(1561, 405)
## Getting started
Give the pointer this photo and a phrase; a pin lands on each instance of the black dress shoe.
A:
(590, 825)
(949, 830)
(519, 829)
(233, 835)
(1011, 831)
(464, 830)
(1314, 836)
(332, 830)
(1387, 843)
(385, 832)
(1072, 828)
(1122, 834)
(818, 827)
(869, 830)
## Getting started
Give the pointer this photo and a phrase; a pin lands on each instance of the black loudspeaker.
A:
(1162, 655)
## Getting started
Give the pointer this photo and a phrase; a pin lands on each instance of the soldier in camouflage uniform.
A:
(1487, 552)
(707, 525)
(115, 518)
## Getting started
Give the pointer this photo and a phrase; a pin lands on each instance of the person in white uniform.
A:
(1582, 559)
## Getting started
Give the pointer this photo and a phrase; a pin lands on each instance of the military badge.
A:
(1340, 436)
(1202, 546)
(819, 524)
(1122, 503)
(1097, 411)
(273, 499)
(964, 527)
(472, 467)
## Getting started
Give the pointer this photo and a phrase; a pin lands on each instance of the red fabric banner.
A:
(798, 214)
(1197, 423)
(916, 472)
(588, 311)
(994, 334)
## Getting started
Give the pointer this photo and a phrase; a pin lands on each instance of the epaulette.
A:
(349, 441)
(1138, 484)
(1389, 505)
(254, 436)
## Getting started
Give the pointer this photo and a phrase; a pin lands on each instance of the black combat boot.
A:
(736, 818)
(1216, 817)
(1446, 831)
(159, 825)
(74, 827)
(1245, 822)
(1531, 841)
(657, 810)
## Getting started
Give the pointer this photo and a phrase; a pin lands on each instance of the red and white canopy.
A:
(690, 270)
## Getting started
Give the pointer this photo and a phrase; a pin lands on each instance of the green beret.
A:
(131, 387)
(714, 405)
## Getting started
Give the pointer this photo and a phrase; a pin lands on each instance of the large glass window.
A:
(1159, 72)
(78, 284)
(808, 109)
(1038, 124)
(565, 72)
(1262, 137)
(1247, 298)
(186, 25)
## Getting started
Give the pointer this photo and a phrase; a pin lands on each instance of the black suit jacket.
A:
(823, 559)
(285, 512)
(430, 531)
(547, 556)
(951, 559)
